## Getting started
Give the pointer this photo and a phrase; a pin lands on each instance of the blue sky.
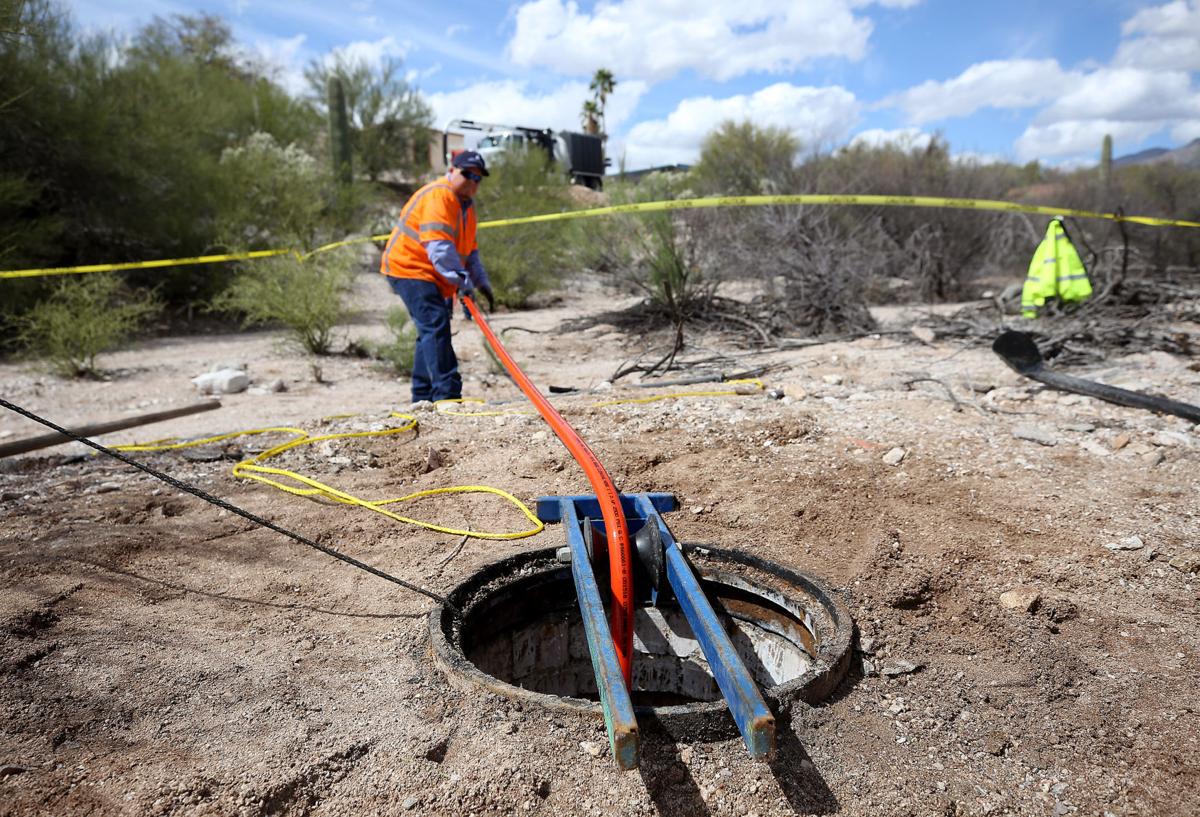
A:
(1017, 80)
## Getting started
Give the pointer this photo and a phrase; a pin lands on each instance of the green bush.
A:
(277, 195)
(528, 258)
(400, 347)
(745, 160)
(82, 318)
(112, 147)
(307, 297)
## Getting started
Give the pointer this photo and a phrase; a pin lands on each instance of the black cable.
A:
(220, 503)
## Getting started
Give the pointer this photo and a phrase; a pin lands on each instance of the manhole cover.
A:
(521, 635)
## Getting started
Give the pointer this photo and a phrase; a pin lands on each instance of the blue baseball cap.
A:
(469, 158)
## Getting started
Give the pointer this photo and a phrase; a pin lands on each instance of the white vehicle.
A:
(581, 155)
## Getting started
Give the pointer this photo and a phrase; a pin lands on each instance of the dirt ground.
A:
(161, 656)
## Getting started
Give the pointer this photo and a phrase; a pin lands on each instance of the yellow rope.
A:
(253, 468)
(680, 394)
(442, 407)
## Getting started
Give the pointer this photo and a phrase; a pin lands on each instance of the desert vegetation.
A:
(226, 160)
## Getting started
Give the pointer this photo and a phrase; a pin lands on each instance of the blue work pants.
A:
(435, 366)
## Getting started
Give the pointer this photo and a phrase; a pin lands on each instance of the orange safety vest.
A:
(434, 213)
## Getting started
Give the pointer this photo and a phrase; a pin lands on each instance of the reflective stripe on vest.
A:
(402, 221)
(438, 225)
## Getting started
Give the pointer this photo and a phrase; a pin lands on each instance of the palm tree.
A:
(590, 116)
(603, 83)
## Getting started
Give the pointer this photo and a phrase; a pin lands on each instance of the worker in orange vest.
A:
(430, 256)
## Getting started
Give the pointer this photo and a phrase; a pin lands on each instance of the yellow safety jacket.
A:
(1056, 271)
(434, 213)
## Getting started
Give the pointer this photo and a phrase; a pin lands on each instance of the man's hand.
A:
(491, 298)
(462, 280)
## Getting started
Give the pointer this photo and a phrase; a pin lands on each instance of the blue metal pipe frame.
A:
(750, 712)
(619, 719)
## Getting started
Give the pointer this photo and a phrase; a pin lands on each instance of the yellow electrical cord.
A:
(253, 469)
(679, 394)
(442, 407)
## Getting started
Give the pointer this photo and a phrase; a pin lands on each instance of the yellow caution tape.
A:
(162, 262)
(645, 207)
(838, 200)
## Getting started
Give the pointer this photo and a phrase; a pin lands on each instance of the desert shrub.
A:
(276, 195)
(308, 297)
(401, 344)
(115, 144)
(743, 159)
(528, 258)
(940, 252)
(82, 318)
(1115, 251)
(279, 198)
(666, 250)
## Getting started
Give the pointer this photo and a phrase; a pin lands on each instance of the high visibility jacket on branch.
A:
(434, 213)
(1056, 271)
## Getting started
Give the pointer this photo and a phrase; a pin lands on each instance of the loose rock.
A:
(900, 667)
(895, 456)
(923, 334)
(1035, 435)
(225, 381)
(1128, 543)
(1186, 562)
(1170, 439)
(1020, 598)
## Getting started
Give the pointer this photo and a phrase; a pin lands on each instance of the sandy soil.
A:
(161, 656)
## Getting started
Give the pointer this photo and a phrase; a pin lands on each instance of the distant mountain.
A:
(1187, 156)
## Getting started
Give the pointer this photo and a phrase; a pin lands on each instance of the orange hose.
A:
(620, 559)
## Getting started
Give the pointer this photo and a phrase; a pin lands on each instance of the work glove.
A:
(486, 291)
(462, 280)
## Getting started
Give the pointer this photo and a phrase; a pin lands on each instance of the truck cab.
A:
(580, 155)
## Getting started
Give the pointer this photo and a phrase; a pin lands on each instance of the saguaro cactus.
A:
(339, 131)
(1106, 161)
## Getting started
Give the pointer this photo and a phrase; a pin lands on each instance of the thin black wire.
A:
(220, 503)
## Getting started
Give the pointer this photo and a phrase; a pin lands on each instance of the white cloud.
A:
(903, 138)
(1124, 94)
(454, 29)
(1130, 104)
(656, 39)
(996, 84)
(1164, 37)
(1076, 138)
(818, 117)
(371, 52)
(1184, 132)
(509, 102)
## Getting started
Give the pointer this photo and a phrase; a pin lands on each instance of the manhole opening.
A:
(522, 634)
(532, 636)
